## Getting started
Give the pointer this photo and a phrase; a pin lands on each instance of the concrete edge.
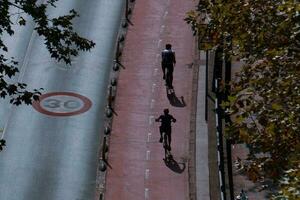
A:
(202, 171)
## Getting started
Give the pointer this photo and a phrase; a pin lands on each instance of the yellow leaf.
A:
(276, 106)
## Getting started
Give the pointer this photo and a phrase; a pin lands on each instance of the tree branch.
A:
(15, 5)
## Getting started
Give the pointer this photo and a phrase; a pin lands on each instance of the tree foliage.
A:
(60, 38)
(264, 101)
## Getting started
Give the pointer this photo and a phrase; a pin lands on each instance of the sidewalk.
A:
(138, 170)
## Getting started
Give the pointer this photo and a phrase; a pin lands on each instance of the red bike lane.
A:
(135, 154)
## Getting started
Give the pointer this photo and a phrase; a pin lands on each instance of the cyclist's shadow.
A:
(174, 100)
(175, 166)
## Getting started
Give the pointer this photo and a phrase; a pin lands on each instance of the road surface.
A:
(51, 151)
(135, 155)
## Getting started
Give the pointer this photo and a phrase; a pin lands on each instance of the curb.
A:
(109, 112)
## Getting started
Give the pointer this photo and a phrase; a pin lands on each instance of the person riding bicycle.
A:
(168, 61)
(166, 119)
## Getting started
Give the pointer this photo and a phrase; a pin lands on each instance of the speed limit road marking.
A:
(62, 104)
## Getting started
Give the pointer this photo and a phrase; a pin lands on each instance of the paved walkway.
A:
(138, 170)
(202, 171)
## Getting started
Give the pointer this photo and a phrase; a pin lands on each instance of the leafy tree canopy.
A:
(61, 41)
(265, 96)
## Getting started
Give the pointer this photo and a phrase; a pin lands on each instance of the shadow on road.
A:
(175, 166)
(174, 100)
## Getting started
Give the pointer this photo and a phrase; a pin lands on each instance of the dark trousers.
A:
(166, 130)
(169, 76)
(163, 67)
(168, 73)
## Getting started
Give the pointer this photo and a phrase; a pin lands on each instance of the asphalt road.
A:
(49, 156)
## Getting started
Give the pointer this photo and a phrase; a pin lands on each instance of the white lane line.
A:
(149, 137)
(147, 174)
(159, 43)
(155, 71)
(146, 193)
(148, 155)
(162, 28)
(152, 104)
(157, 57)
(153, 87)
(151, 118)
(165, 15)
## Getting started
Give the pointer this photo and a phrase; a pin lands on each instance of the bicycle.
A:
(165, 132)
(167, 146)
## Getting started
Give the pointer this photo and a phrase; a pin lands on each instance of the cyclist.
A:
(167, 63)
(165, 128)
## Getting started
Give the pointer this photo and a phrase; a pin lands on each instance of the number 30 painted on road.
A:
(62, 104)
